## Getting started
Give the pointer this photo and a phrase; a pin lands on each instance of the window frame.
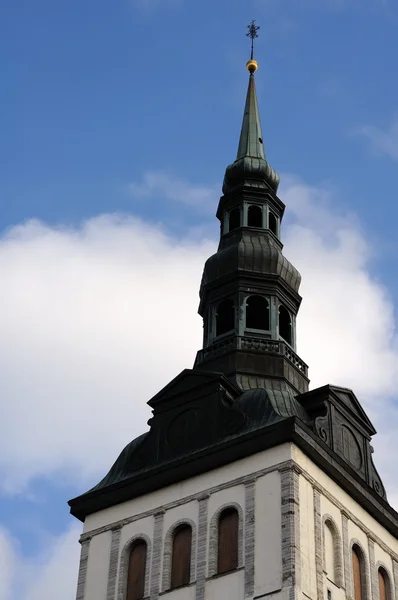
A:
(124, 564)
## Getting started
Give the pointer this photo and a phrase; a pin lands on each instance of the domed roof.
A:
(126, 463)
(250, 252)
(265, 406)
(250, 168)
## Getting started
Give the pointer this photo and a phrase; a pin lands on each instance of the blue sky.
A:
(134, 107)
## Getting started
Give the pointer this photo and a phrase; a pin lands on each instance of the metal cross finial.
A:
(253, 28)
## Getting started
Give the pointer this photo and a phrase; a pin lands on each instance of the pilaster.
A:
(318, 543)
(202, 547)
(157, 555)
(81, 580)
(113, 563)
(291, 564)
(249, 536)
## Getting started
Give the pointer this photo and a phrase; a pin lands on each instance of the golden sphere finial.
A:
(252, 65)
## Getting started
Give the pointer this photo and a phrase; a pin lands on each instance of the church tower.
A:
(247, 485)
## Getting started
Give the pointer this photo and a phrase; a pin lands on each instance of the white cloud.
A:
(96, 319)
(382, 141)
(93, 322)
(52, 572)
(162, 185)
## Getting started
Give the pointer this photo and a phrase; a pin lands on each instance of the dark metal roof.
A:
(250, 162)
(250, 252)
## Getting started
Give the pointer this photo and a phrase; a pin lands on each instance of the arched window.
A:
(136, 571)
(225, 316)
(383, 584)
(329, 543)
(257, 313)
(285, 324)
(254, 216)
(272, 223)
(234, 219)
(228, 528)
(181, 557)
(357, 573)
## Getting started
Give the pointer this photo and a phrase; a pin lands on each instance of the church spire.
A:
(251, 163)
(251, 137)
(249, 295)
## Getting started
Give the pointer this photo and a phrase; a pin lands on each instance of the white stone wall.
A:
(252, 485)
(350, 524)
(284, 501)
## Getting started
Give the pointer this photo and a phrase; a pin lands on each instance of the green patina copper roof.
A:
(251, 163)
(251, 137)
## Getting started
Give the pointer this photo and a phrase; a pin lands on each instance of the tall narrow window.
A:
(254, 216)
(234, 219)
(228, 527)
(272, 223)
(383, 584)
(225, 316)
(181, 557)
(332, 552)
(136, 571)
(329, 544)
(356, 573)
(285, 324)
(257, 313)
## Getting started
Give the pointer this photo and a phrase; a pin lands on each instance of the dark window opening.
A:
(136, 571)
(228, 528)
(285, 324)
(260, 140)
(257, 313)
(225, 316)
(181, 557)
(272, 223)
(255, 216)
(383, 583)
(234, 219)
(357, 573)
(329, 595)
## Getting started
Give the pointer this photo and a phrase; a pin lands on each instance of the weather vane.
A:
(253, 28)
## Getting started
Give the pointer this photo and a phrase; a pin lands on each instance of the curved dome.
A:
(251, 253)
(250, 167)
(266, 406)
(125, 464)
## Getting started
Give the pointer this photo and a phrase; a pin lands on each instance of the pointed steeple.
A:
(251, 137)
(251, 163)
